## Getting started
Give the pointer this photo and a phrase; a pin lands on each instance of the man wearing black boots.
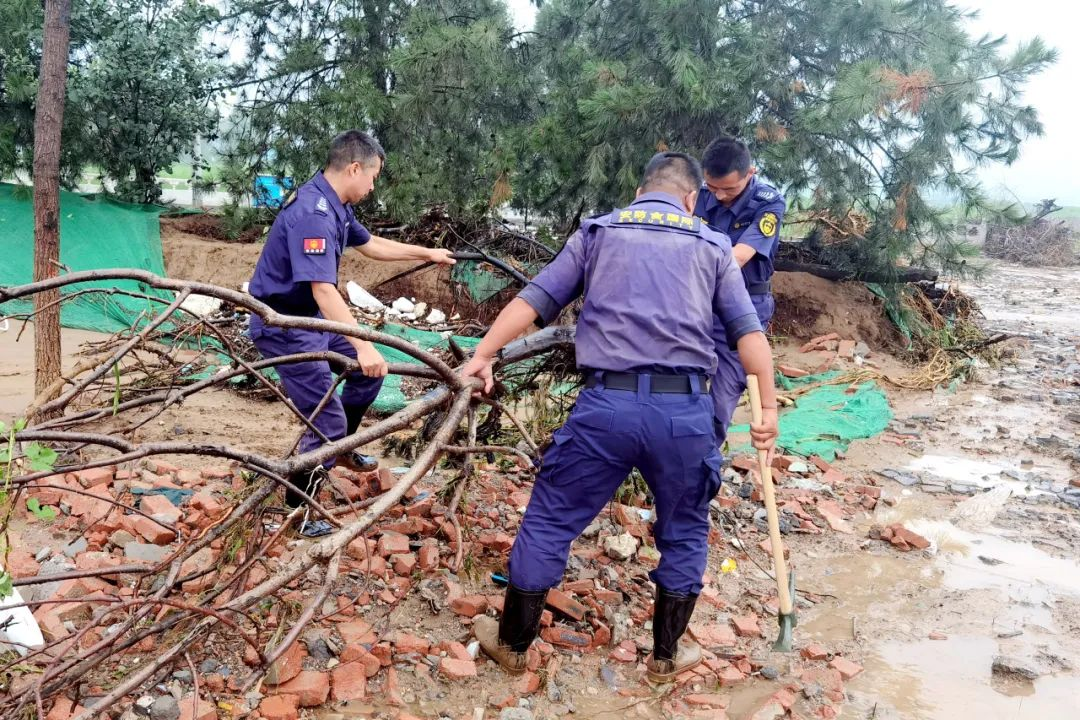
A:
(297, 274)
(654, 279)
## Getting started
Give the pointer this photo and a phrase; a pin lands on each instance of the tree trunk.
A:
(48, 119)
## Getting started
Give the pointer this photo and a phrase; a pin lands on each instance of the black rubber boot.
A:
(670, 619)
(310, 481)
(357, 461)
(507, 641)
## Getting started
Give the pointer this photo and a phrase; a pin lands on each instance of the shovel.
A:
(785, 582)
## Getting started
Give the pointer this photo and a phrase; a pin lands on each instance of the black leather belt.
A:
(662, 384)
(759, 288)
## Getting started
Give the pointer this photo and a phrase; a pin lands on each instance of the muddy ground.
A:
(1001, 577)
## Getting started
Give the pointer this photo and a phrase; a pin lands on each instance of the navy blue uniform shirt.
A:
(305, 245)
(653, 278)
(753, 219)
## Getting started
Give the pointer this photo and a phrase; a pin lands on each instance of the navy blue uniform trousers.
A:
(306, 383)
(668, 437)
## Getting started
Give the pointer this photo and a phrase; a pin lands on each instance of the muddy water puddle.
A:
(952, 680)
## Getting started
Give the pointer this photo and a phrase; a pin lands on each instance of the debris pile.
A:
(1041, 242)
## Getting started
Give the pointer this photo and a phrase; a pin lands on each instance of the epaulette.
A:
(655, 218)
(765, 193)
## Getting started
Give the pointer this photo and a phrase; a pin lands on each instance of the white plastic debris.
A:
(420, 309)
(403, 305)
(201, 305)
(436, 317)
(18, 626)
(243, 287)
(361, 298)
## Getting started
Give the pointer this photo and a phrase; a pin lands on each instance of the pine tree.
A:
(859, 110)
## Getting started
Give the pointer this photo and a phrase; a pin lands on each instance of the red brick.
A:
(159, 505)
(153, 532)
(746, 626)
(498, 541)
(404, 564)
(729, 676)
(311, 688)
(827, 712)
(457, 669)
(580, 587)
(92, 502)
(360, 548)
(420, 509)
(470, 605)
(770, 709)
(22, 564)
(429, 557)
(608, 597)
(406, 643)
(938, 636)
(707, 700)
(818, 342)
(63, 709)
(455, 650)
(215, 473)
(828, 678)
(392, 543)
(814, 652)
(386, 479)
(565, 604)
(348, 682)
(409, 526)
(286, 667)
(95, 476)
(207, 503)
(869, 491)
(565, 637)
(913, 539)
(791, 371)
(527, 684)
(279, 707)
(601, 635)
(383, 652)
(623, 654)
(846, 349)
(357, 632)
(845, 667)
(206, 711)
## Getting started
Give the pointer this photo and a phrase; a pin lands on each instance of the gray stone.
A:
(769, 672)
(76, 547)
(1011, 665)
(183, 676)
(318, 649)
(142, 705)
(121, 538)
(813, 691)
(43, 554)
(208, 666)
(904, 478)
(165, 708)
(145, 552)
(515, 713)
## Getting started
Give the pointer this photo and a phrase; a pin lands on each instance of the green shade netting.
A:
(95, 233)
(483, 285)
(827, 418)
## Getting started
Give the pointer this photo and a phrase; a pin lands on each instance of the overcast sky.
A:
(1048, 166)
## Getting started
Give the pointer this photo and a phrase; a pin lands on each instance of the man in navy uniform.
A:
(736, 202)
(297, 274)
(654, 278)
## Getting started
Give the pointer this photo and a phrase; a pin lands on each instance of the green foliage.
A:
(139, 94)
(43, 513)
(445, 86)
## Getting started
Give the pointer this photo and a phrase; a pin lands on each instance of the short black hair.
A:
(726, 155)
(670, 171)
(353, 146)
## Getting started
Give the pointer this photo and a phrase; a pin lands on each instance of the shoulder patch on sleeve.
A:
(322, 206)
(767, 224)
(677, 220)
(314, 246)
(766, 194)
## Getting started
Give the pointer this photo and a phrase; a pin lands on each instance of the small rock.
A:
(43, 554)
(620, 547)
(183, 676)
(208, 666)
(1009, 665)
(76, 547)
(403, 305)
(165, 708)
(769, 672)
(515, 713)
(145, 552)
